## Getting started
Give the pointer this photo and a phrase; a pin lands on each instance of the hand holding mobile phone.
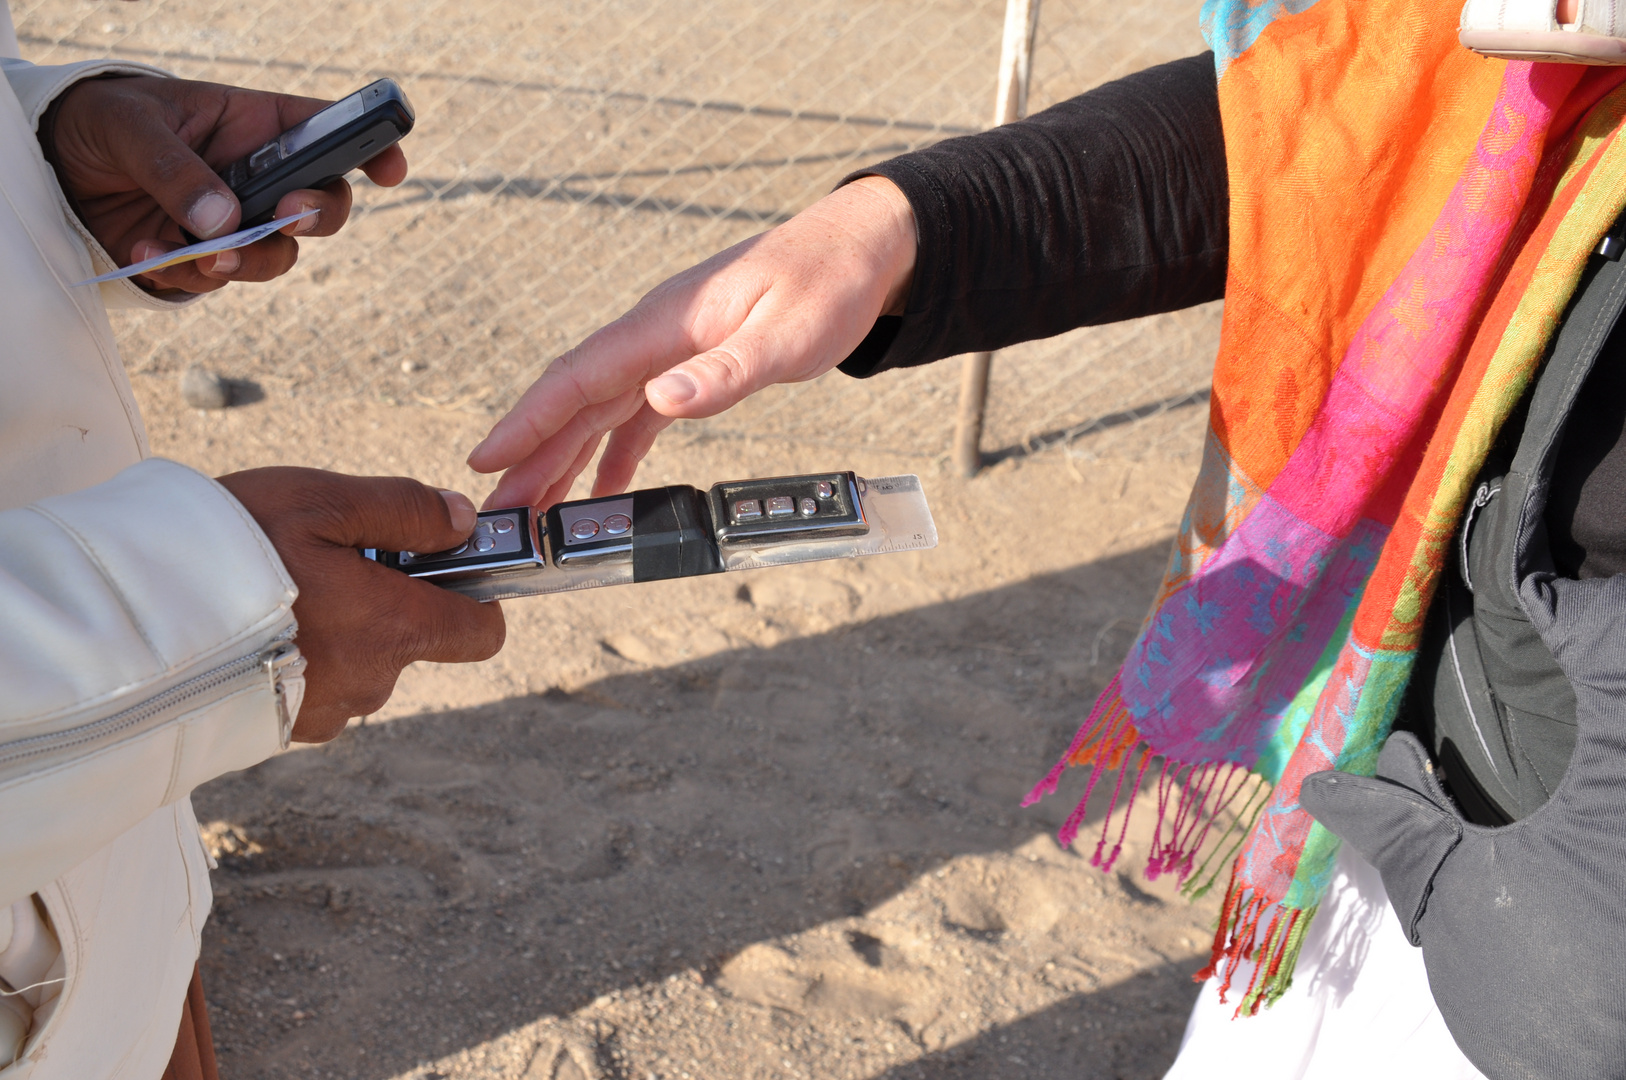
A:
(319, 150)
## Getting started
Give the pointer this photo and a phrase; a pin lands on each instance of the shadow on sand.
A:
(450, 876)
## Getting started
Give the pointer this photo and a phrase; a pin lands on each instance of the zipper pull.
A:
(1482, 499)
(285, 661)
(1613, 244)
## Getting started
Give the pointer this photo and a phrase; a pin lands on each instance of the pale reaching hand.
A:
(785, 306)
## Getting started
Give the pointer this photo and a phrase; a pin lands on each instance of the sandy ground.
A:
(754, 825)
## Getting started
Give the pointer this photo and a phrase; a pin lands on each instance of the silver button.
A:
(503, 525)
(807, 507)
(747, 510)
(616, 524)
(781, 506)
(584, 528)
(265, 157)
(484, 543)
(827, 490)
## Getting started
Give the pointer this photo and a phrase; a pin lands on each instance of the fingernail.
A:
(226, 262)
(675, 387)
(308, 224)
(208, 215)
(146, 249)
(462, 511)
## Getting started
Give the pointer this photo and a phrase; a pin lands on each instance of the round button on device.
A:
(484, 543)
(503, 525)
(826, 489)
(807, 507)
(584, 528)
(617, 524)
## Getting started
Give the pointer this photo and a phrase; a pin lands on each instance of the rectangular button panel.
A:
(591, 530)
(502, 533)
(595, 520)
(786, 508)
(503, 542)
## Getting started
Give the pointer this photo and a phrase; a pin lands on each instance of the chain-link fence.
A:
(570, 154)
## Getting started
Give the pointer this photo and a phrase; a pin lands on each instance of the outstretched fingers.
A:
(561, 487)
(613, 361)
(628, 445)
(528, 480)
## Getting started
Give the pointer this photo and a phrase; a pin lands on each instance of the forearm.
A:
(1110, 206)
(137, 619)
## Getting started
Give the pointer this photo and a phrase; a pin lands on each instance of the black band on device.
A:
(671, 534)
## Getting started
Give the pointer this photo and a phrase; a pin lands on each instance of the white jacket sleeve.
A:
(36, 86)
(146, 630)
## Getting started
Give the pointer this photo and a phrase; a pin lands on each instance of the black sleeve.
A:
(1106, 207)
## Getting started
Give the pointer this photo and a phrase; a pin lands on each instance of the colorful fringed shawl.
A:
(1408, 222)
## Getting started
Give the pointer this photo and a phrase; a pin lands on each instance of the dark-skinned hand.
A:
(138, 155)
(360, 623)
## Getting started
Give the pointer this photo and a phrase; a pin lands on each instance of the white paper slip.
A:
(198, 251)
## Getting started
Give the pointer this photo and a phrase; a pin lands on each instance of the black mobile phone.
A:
(319, 150)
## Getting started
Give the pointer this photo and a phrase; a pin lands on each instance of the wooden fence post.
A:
(1010, 103)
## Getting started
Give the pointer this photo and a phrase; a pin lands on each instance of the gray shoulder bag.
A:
(1522, 923)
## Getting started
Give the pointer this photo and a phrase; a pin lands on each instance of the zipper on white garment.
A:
(276, 662)
(283, 658)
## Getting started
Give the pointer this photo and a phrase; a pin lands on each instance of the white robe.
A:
(1359, 1007)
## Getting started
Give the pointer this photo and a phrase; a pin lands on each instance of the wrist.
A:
(45, 132)
(879, 215)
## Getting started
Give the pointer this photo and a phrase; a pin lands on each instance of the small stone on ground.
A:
(203, 389)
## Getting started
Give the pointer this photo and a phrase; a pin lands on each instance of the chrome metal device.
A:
(678, 531)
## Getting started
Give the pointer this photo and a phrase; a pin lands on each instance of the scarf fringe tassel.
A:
(1237, 940)
(1191, 799)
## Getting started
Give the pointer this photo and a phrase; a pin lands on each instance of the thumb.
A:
(1405, 834)
(715, 380)
(152, 155)
(396, 513)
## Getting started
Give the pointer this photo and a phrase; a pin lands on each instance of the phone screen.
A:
(321, 125)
